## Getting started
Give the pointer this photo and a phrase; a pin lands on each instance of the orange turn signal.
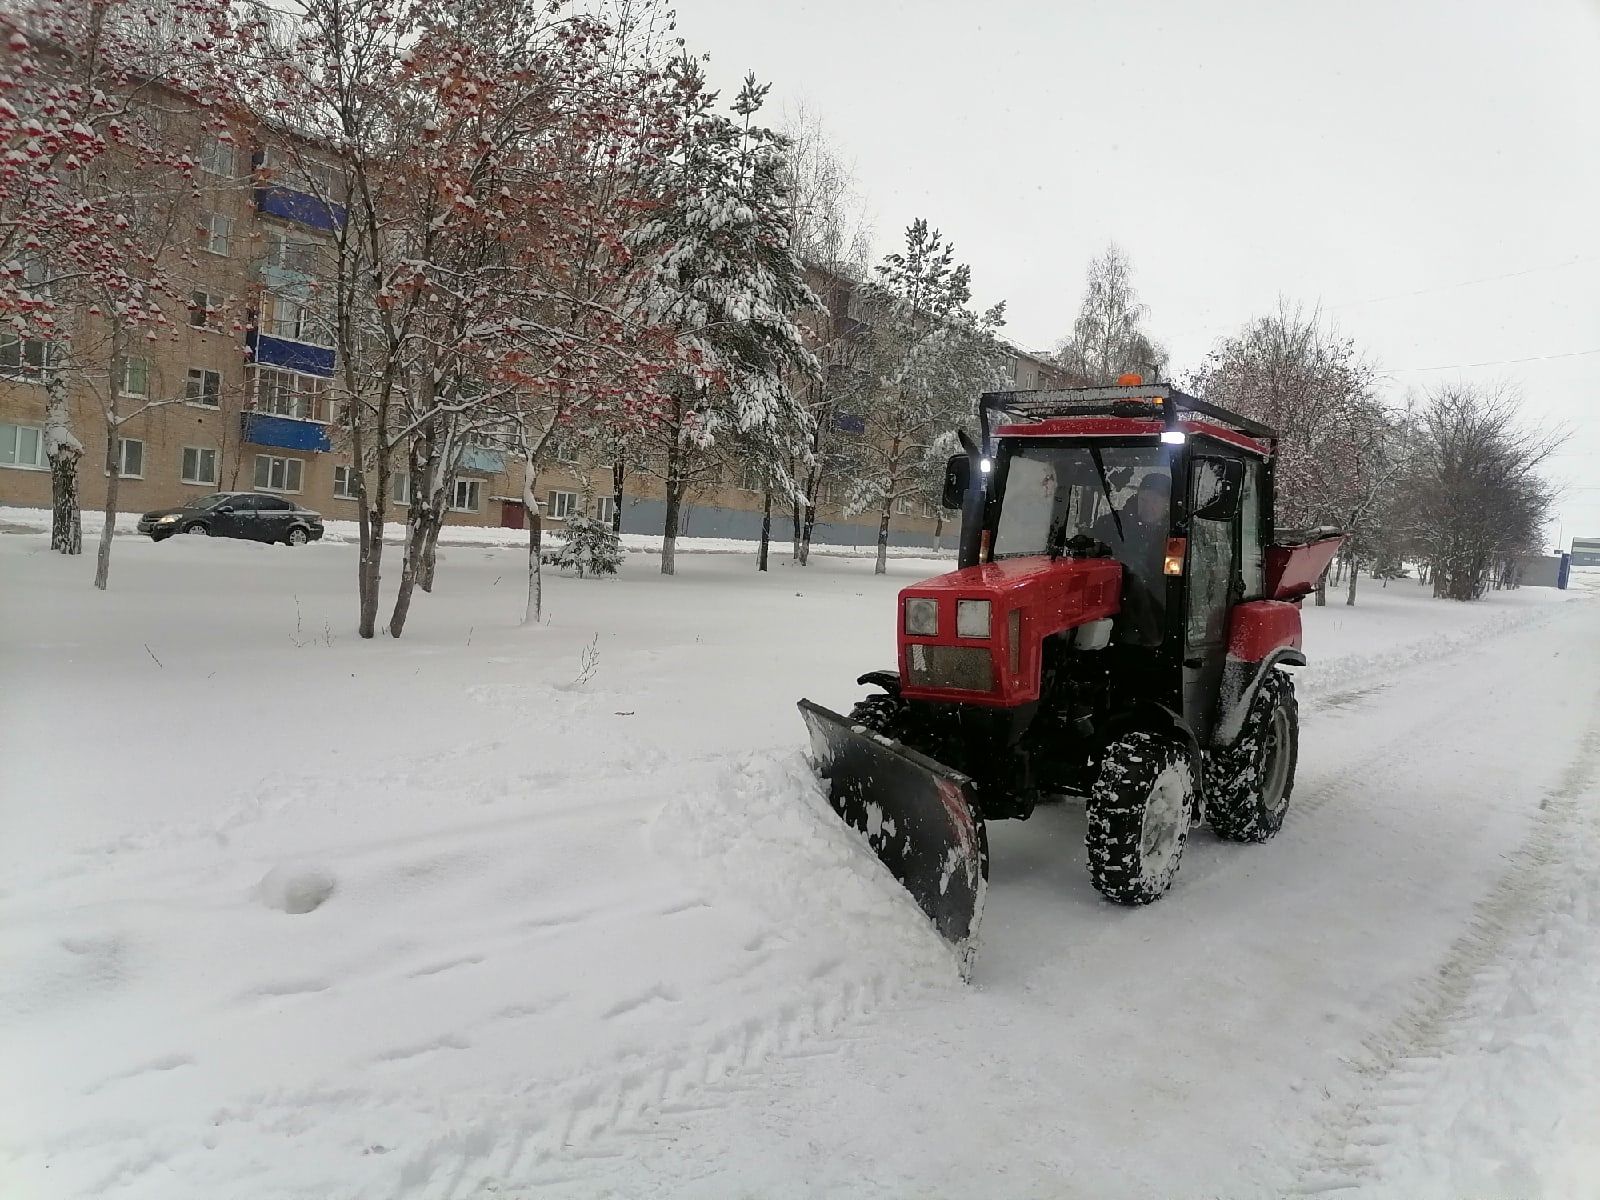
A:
(1173, 565)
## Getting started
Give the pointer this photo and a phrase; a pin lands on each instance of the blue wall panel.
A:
(699, 520)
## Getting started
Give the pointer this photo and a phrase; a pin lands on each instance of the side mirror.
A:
(1218, 483)
(957, 478)
(225, 508)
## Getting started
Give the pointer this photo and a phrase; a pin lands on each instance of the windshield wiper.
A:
(1105, 488)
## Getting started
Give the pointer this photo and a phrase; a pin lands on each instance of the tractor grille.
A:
(962, 667)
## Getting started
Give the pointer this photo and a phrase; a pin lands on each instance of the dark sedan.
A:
(253, 516)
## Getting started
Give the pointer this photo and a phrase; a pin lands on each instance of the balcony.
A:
(286, 433)
(268, 351)
(299, 207)
(480, 461)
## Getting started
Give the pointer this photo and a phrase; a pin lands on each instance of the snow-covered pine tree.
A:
(591, 547)
(727, 286)
(928, 357)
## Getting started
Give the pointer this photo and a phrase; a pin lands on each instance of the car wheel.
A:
(298, 537)
(197, 527)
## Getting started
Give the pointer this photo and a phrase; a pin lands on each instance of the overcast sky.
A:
(1380, 157)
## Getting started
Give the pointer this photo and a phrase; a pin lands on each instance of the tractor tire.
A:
(881, 713)
(1139, 813)
(1248, 784)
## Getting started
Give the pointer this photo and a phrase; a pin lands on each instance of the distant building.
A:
(241, 396)
(1586, 552)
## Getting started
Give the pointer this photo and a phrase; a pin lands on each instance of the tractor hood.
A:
(975, 636)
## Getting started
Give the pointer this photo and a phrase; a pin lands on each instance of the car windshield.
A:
(1052, 494)
(212, 501)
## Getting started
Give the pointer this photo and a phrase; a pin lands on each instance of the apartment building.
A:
(238, 397)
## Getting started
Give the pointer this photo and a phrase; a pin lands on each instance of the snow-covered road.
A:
(604, 938)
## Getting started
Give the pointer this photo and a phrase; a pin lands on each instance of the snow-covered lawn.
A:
(287, 914)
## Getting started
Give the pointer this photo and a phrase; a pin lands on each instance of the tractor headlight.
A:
(972, 618)
(922, 616)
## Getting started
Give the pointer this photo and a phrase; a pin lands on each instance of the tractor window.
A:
(1250, 549)
(1054, 493)
(1210, 574)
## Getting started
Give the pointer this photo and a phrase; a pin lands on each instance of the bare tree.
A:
(833, 237)
(1474, 486)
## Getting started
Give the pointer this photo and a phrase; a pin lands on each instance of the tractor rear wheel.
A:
(1248, 783)
(1139, 812)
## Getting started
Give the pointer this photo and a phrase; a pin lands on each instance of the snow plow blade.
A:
(920, 818)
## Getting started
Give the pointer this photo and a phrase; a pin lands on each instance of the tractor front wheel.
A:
(1139, 811)
(1249, 782)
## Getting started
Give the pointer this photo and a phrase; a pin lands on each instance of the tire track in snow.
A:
(761, 828)
(1402, 1061)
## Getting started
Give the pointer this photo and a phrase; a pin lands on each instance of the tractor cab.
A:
(1117, 628)
(1176, 491)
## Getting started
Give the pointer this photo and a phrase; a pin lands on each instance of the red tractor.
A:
(1118, 629)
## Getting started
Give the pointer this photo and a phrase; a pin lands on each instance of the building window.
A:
(199, 464)
(400, 487)
(135, 377)
(289, 253)
(344, 484)
(299, 173)
(928, 509)
(205, 310)
(130, 458)
(203, 387)
(289, 394)
(21, 446)
(215, 232)
(293, 318)
(563, 452)
(274, 474)
(562, 505)
(23, 358)
(605, 508)
(217, 157)
(827, 492)
(750, 477)
(467, 495)
(903, 505)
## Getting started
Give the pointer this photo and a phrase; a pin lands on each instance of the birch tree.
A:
(832, 236)
(1109, 337)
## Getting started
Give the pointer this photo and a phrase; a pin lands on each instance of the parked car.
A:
(250, 515)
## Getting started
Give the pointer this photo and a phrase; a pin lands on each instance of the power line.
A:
(1450, 287)
(1493, 362)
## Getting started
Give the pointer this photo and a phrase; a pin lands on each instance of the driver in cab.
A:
(1137, 536)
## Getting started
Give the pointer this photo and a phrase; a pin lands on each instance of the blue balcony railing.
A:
(268, 351)
(286, 433)
(300, 207)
